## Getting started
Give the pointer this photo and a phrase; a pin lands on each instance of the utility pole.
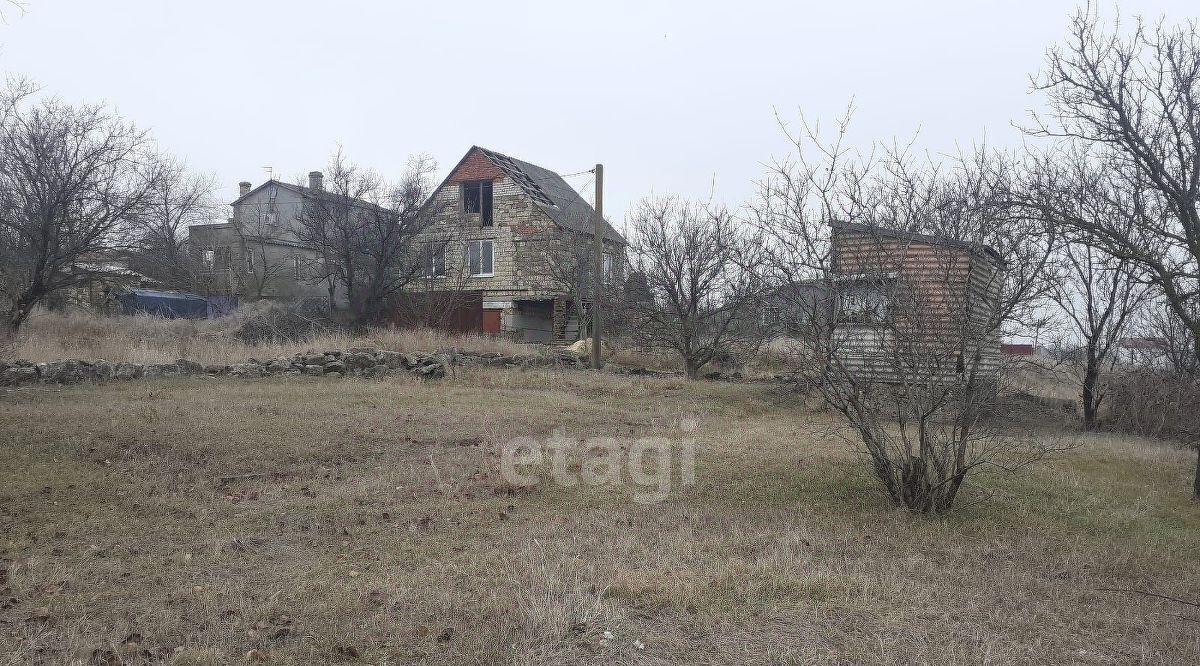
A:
(598, 268)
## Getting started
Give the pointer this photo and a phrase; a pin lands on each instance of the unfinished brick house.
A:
(907, 304)
(499, 224)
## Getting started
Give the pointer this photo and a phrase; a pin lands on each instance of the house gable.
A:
(545, 190)
(271, 211)
(475, 165)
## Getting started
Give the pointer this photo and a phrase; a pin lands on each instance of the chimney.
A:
(316, 180)
(243, 188)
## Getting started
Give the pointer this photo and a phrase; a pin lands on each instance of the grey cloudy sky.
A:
(671, 97)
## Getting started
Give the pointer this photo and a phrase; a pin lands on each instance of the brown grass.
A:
(142, 339)
(50, 336)
(378, 524)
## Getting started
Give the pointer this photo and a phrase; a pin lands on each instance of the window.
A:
(217, 258)
(770, 315)
(863, 304)
(608, 268)
(297, 262)
(480, 258)
(250, 263)
(435, 260)
(477, 198)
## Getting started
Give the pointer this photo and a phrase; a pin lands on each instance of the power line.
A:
(577, 173)
(583, 191)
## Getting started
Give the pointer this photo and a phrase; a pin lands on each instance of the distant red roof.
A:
(1016, 349)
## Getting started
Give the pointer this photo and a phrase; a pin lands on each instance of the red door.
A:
(491, 321)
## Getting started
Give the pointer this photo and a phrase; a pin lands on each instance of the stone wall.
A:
(353, 362)
(515, 221)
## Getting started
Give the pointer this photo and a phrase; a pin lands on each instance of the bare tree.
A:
(701, 276)
(1099, 296)
(567, 265)
(1129, 102)
(258, 228)
(437, 296)
(179, 199)
(18, 5)
(391, 238)
(73, 181)
(1160, 324)
(901, 278)
(365, 232)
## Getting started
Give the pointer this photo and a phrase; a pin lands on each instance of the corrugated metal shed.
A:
(940, 296)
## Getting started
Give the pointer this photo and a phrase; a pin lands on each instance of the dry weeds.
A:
(365, 518)
(144, 339)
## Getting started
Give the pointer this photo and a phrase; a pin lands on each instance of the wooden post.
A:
(598, 269)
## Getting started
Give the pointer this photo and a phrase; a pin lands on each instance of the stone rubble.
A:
(365, 362)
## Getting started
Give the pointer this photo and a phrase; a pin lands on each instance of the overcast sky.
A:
(670, 97)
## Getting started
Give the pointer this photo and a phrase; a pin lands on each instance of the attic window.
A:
(477, 198)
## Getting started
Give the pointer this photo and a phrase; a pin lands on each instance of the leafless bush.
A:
(897, 280)
(700, 276)
(277, 322)
(1155, 403)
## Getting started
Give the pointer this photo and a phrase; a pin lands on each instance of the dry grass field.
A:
(313, 521)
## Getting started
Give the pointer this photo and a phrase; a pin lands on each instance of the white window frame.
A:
(608, 264)
(431, 264)
(209, 259)
(250, 262)
(492, 245)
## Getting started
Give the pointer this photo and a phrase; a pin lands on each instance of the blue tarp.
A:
(170, 304)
